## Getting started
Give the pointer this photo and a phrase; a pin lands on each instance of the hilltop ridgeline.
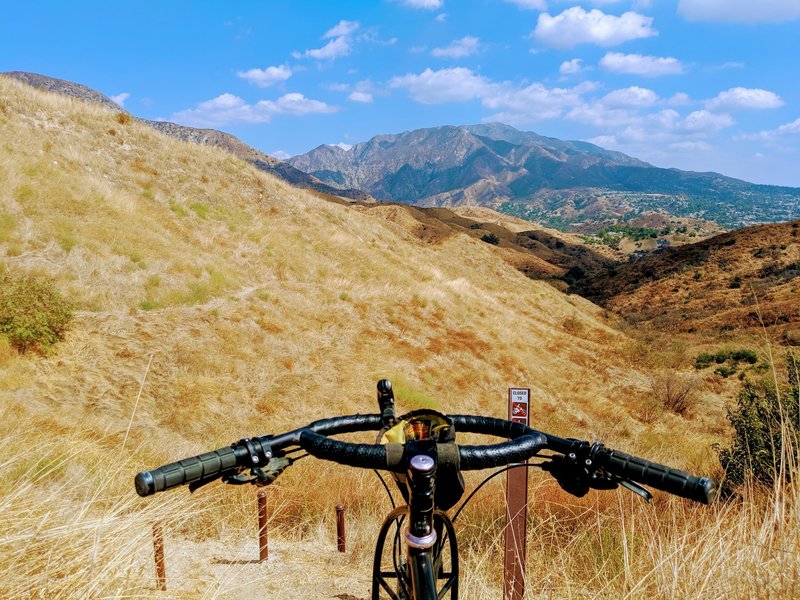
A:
(208, 137)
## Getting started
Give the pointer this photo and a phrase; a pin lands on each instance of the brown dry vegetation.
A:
(744, 279)
(216, 301)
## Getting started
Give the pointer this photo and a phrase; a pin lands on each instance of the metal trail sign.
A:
(516, 506)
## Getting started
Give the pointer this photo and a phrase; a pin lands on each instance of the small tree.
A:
(766, 423)
(490, 238)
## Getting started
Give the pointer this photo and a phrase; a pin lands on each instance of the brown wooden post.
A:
(263, 540)
(516, 507)
(340, 545)
(158, 552)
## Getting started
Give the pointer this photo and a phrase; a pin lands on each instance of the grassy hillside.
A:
(743, 279)
(214, 301)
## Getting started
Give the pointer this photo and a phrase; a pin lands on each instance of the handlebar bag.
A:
(429, 425)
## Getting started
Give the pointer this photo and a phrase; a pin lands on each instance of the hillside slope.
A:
(137, 228)
(209, 137)
(741, 279)
(215, 301)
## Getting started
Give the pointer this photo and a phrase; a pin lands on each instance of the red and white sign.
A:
(518, 405)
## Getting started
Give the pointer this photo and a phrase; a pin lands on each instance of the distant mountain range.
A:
(209, 137)
(567, 184)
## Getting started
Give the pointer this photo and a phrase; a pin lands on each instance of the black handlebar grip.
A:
(667, 479)
(367, 456)
(486, 457)
(186, 471)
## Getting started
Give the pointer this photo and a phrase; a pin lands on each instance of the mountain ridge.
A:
(566, 184)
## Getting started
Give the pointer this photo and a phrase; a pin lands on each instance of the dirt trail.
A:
(230, 570)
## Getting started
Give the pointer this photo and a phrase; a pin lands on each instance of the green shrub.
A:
(731, 358)
(33, 313)
(490, 238)
(766, 428)
(703, 360)
(744, 355)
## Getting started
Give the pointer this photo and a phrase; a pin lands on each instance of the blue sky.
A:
(693, 84)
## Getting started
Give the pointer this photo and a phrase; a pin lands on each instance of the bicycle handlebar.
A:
(524, 442)
(661, 477)
(188, 470)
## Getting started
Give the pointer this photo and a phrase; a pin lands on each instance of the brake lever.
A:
(636, 489)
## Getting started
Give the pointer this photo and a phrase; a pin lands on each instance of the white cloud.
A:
(604, 117)
(636, 64)
(532, 103)
(458, 48)
(691, 146)
(787, 130)
(631, 96)
(295, 104)
(280, 154)
(266, 77)
(224, 109)
(336, 48)
(445, 85)
(424, 4)
(679, 99)
(120, 98)
(365, 97)
(743, 11)
(703, 120)
(340, 44)
(792, 128)
(227, 109)
(441, 17)
(512, 104)
(571, 67)
(576, 26)
(529, 4)
(740, 98)
(337, 87)
(342, 28)
(363, 92)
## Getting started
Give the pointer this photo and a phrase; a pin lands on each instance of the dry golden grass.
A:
(217, 302)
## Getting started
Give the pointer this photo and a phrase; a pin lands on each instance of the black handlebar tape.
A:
(487, 457)
(489, 426)
(508, 429)
(674, 481)
(367, 456)
(186, 471)
(332, 426)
